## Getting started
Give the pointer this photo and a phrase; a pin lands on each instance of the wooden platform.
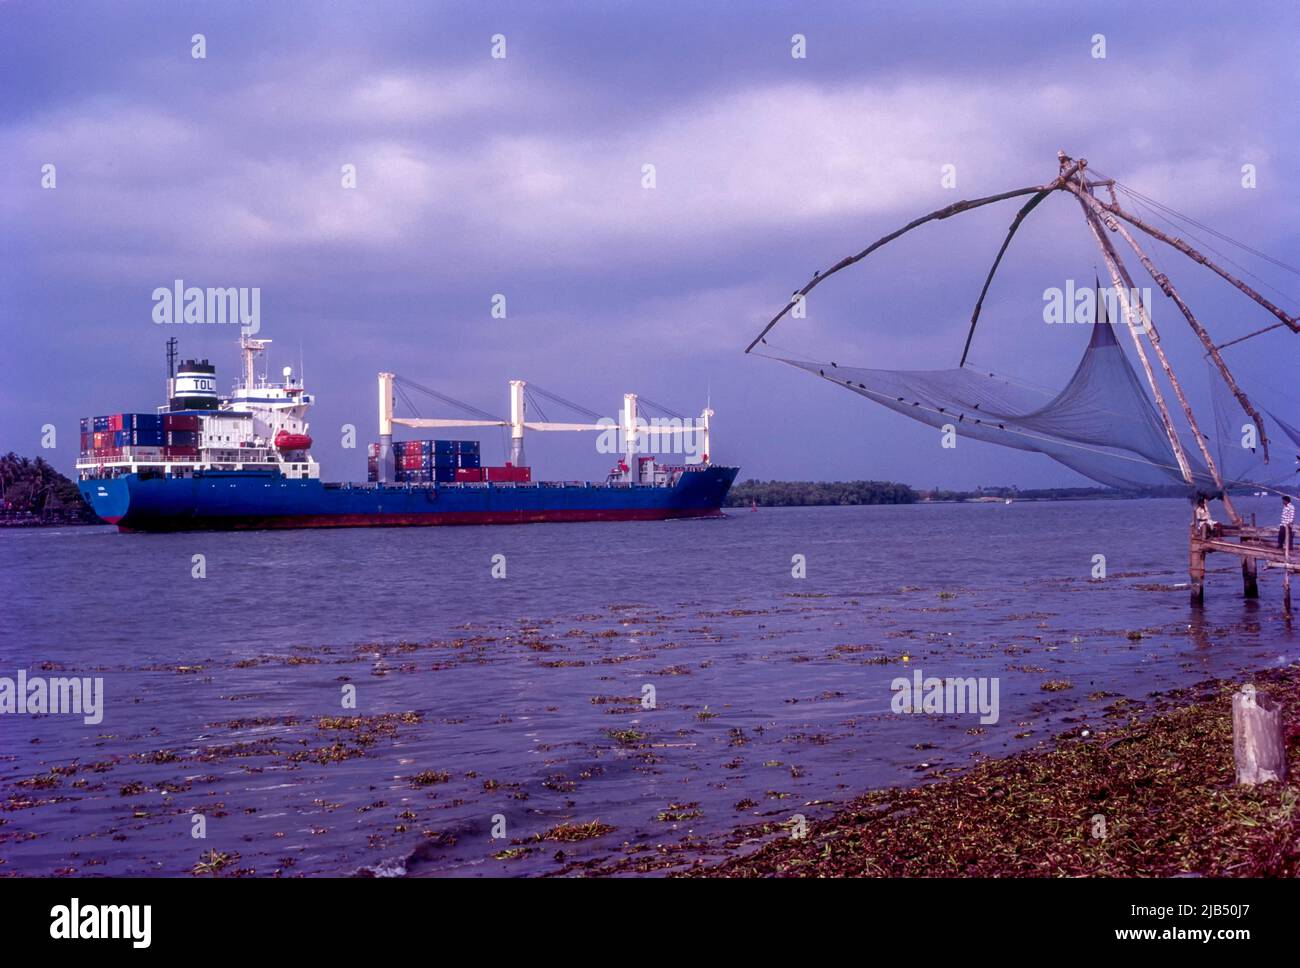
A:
(1252, 545)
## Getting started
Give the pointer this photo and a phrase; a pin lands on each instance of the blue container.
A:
(142, 421)
(182, 438)
(444, 474)
(470, 460)
(139, 438)
(99, 423)
(444, 447)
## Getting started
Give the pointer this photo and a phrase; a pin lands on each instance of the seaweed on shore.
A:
(1152, 798)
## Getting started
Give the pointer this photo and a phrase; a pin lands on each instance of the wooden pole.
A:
(1166, 286)
(1173, 379)
(1258, 743)
(1196, 568)
(979, 303)
(1292, 321)
(1112, 264)
(1286, 572)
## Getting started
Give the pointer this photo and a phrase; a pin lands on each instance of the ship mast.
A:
(250, 348)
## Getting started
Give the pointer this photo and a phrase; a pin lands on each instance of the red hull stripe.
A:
(442, 518)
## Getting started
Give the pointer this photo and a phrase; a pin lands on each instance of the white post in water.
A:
(518, 411)
(1258, 745)
(630, 442)
(386, 466)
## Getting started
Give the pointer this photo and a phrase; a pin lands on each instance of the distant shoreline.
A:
(853, 493)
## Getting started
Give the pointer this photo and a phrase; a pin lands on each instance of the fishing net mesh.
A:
(1102, 424)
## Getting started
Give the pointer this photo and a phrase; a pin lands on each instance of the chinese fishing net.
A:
(1102, 424)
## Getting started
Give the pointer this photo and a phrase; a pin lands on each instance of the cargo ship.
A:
(207, 461)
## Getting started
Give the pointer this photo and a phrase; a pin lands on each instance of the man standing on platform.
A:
(1288, 518)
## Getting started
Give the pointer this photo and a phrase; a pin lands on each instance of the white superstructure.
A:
(261, 425)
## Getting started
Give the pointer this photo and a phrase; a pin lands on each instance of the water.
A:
(772, 694)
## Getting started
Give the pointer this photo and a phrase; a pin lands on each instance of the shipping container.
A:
(180, 421)
(469, 474)
(139, 438)
(181, 438)
(509, 474)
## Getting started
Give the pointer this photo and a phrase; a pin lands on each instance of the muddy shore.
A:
(1148, 794)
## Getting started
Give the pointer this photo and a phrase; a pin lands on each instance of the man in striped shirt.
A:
(1288, 518)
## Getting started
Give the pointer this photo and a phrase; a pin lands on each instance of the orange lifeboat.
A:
(287, 441)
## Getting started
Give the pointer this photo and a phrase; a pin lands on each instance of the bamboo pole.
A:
(1159, 350)
(947, 212)
(1187, 250)
(1167, 287)
(979, 303)
(1112, 264)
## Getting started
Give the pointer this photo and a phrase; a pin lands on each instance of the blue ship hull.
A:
(234, 500)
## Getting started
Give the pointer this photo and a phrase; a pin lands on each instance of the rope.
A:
(555, 398)
(451, 401)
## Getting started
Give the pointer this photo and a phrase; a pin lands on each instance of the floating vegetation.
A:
(626, 737)
(677, 812)
(1056, 685)
(512, 853)
(213, 862)
(429, 778)
(576, 831)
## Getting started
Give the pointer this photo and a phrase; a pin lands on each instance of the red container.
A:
(115, 421)
(180, 421)
(412, 462)
(509, 474)
(465, 474)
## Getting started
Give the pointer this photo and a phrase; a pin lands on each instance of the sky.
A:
(524, 176)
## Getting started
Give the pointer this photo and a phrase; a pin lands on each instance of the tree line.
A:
(33, 492)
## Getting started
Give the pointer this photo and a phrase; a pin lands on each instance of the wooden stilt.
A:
(1196, 570)
(1286, 575)
(1249, 578)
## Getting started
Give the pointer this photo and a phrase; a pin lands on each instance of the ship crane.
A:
(629, 424)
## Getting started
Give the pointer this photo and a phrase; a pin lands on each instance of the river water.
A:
(670, 681)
